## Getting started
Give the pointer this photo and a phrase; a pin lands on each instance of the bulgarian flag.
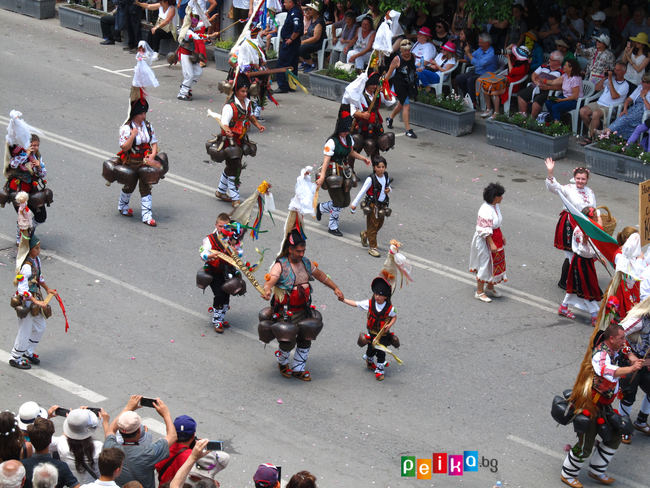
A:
(601, 240)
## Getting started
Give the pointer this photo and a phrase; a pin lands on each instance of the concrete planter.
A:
(525, 141)
(221, 57)
(80, 21)
(326, 87)
(616, 165)
(441, 120)
(39, 9)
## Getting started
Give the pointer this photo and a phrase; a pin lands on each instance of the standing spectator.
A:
(132, 18)
(564, 46)
(600, 59)
(636, 57)
(40, 433)
(12, 474)
(531, 14)
(613, 10)
(498, 29)
(618, 25)
(45, 476)
(76, 447)
(241, 10)
(110, 466)
(463, 18)
(140, 461)
(346, 40)
(517, 69)
(574, 22)
(312, 42)
(614, 87)
(518, 27)
(553, 29)
(329, 7)
(180, 450)
(595, 28)
(635, 25)
(404, 85)
(361, 45)
(571, 84)
(303, 479)
(289, 44)
(441, 34)
(421, 19)
(484, 60)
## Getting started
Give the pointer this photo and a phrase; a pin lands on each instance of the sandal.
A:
(586, 141)
(235, 203)
(129, 213)
(284, 370)
(566, 312)
(150, 222)
(301, 375)
(222, 196)
(379, 376)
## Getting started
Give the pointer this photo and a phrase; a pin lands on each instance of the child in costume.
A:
(375, 206)
(189, 39)
(381, 317)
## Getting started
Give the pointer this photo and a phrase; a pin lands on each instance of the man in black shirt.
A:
(290, 34)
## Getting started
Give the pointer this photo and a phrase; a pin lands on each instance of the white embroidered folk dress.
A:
(481, 259)
(582, 247)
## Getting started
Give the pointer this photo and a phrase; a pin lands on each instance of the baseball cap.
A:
(28, 412)
(266, 476)
(128, 422)
(599, 16)
(185, 425)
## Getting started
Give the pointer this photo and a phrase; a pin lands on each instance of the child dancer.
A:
(375, 189)
(381, 317)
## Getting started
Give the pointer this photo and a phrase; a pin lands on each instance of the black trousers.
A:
(288, 56)
(381, 355)
(107, 23)
(154, 39)
(467, 83)
(133, 28)
(220, 297)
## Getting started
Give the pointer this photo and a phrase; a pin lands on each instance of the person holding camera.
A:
(615, 89)
(600, 59)
(140, 461)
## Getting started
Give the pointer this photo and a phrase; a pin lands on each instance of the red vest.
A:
(377, 319)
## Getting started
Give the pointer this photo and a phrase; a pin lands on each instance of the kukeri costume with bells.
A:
(193, 25)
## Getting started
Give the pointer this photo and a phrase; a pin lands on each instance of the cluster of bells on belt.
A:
(114, 170)
(18, 303)
(563, 412)
(218, 153)
(172, 58)
(384, 142)
(225, 86)
(273, 326)
(36, 198)
(234, 284)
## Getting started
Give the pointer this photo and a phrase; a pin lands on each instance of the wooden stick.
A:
(644, 358)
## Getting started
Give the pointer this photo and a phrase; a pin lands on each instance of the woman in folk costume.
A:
(580, 196)
(338, 148)
(582, 289)
(487, 257)
(24, 170)
(236, 117)
(141, 163)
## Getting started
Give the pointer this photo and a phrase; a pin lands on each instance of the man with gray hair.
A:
(45, 476)
(532, 93)
(484, 61)
(12, 474)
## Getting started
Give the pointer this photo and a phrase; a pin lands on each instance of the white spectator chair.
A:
(588, 89)
(280, 19)
(326, 45)
(503, 72)
(437, 87)
(506, 106)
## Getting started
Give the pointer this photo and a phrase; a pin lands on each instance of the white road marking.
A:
(557, 455)
(156, 425)
(111, 71)
(422, 263)
(58, 381)
(118, 71)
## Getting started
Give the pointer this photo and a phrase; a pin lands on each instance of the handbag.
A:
(231, 12)
(491, 83)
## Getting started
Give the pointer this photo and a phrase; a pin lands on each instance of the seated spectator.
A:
(303, 479)
(348, 33)
(536, 51)
(484, 60)
(360, 53)
(571, 84)
(110, 466)
(466, 38)
(270, 31)
(416, 22)
(498, 93)
(463, 18)
(423, 50)
(109, 31)
(441, 33)
(614, 87)
(564, 46)
(12, 474)
(533, 93)
(518, 27)
(574, 22)
(200, 466)
(635, 25)
(180, 450)
(76, 447)
(443, 65)
(637, 58)
(630, 118)
(45, 476)
(164, 28)
(140, 459)
(595, 28)
(552, 30)
(12, 442)
(339, 15)
(266, 476)
(312, 41)
(40, 433)
(600, 59)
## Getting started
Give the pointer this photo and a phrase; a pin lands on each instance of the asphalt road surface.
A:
(476, 377)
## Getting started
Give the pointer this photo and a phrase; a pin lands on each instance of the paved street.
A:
(476, 377)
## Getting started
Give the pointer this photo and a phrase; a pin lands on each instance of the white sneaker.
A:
(155, 57)
(487, 113)
(483, 297)
(493, 292)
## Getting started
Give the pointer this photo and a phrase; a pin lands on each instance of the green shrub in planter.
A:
(339, 74)
(553, 129)
(452, 102)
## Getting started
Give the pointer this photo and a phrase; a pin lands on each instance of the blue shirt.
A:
(485, 62)
(293, 23)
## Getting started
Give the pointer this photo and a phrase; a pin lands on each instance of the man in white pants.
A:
(192, 70)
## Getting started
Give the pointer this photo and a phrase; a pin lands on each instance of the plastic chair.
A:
(614, 108)
(437, 87)
(280, 19)
(506, 106)
(326, 45)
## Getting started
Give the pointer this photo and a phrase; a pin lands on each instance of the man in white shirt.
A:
(241, 9)
(615, 90)
(110, 466)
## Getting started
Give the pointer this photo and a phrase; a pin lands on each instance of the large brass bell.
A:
(35, 309)
(22, 311)
(357, 141)
(15, 301)
(285, 331)
(309, 329)
(264, 331)
(234, 152)
(47, 311)
(234, 286)
(347, 184)
(107, 170)
(334, 181)
(203, 279)
(123, 174)
(37, 199)
(266, 314)
(149, 174)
